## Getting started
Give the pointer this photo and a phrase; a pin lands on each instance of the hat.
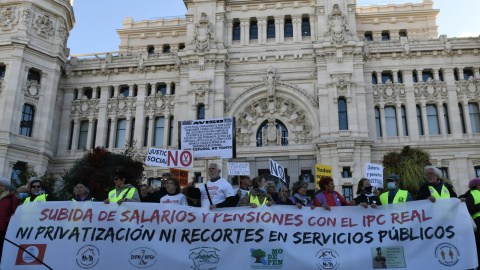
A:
(34, 179)
(473, 183)
(393, 177)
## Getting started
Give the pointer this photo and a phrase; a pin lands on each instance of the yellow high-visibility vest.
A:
(112, 195)
(434, 193)
(254, 199)
(401, 196)
(39, 198)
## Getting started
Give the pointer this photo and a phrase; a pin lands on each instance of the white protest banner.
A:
(209, 137)
(94, 235)
(277, 170)
(238, 168)
(374, 174)
(169, 158)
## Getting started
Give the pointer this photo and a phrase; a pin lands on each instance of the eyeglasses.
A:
(36, 186)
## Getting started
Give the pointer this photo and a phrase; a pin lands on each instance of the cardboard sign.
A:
(322, 171)
(181, 175)
(277, 170)
(169, 158)
(374, 174)
(240, 168)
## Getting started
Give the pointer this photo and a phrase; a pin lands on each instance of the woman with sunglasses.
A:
(37, 192)
(122, 192)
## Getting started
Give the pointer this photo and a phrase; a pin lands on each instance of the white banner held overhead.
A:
(277, 170)
(169, 158)
(209, 137)
(93, 235)
(374, 174)
(238, 168)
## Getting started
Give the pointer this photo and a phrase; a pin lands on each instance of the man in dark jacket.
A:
(157, 195)
(435, 188)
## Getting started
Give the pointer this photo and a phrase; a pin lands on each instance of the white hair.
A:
(5, 182)
(87, 190)
(435, 170)
(216, 165)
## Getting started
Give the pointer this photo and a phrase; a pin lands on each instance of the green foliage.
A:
(96, 169)
(47, 178)
(258, 253)
(408, 164)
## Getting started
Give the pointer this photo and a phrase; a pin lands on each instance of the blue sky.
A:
(97, 21)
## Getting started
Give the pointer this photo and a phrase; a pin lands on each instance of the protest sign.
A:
(94, 235)
(181, 176)
(322, 171)
(169, 158)
(374, 174)
(239, 168)
(208, 137)
(277, 170)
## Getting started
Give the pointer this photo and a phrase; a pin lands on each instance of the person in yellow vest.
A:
(122, 192)
(473, 205)
(37, 192)
(394, 193)
(435, 188)
(82, 193)
(258, 195)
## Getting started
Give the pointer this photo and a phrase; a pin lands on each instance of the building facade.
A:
(309, 82)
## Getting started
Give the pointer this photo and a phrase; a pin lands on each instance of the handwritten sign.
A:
(277, 170)
(181, 175)
(374, 174)
(169, 158)
(238, 168)
(322, 171)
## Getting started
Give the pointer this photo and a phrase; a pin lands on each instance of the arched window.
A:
(280, 134)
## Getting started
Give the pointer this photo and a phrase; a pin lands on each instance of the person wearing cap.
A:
(394, 193)
(37, 192)
(122, 192)
(82, 193)
(472, 197)
(434, 187)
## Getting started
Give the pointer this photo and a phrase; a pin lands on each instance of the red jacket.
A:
(6, 210)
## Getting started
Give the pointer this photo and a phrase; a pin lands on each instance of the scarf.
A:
(302, 198)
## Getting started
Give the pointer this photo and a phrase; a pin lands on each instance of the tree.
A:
(408, 164)
(257, 254)
(96, 169)
(48, 180)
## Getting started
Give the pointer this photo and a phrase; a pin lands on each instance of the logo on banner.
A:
(266, 258)
(327, 259)
(204, 258)
(88, 256)
(142, 257)
(447, 254)
(37, 250)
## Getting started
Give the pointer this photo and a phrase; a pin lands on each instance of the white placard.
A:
(238, 168)
(277, 170)
(209, 137)
(374, 174)
(169, 158)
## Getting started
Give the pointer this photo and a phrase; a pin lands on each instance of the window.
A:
(33, 75)
(305, 27)
(455, 75)
(253, 30)
(377, 122)
(477, 171)
(26, 122)
(132, 133)
(18, 168)
(150, 49)
(70, 140)
(198, 177)
(467, 73)
(414, 76)
(172, 88)
(111, 91)
(374, 78)
(166, 48)
(236, 30)
(427, 74)
(120, 137)
(404, 121)
(369, 36)
(440, 75)
(306, 176)
(94, 141)
(149, 89)
(162, 88)
(145, 138)
(270, 28)
(445, 117)
(88, 92)
(419, 120)
(387, 76)
(278, 125)
(432, 119)
(181, 46)
(159, 131)
(342, 114)
(124, 90)
(82, 138)
(391, 121)
(462, 119)
(400, 77)
(288, 28)
(385, 35)
(444, 171)
(170, 132)
(200, 111)
(474, 117)
(2, 71)
(346, 172)
(347, 193)
(109, 130)
(402, 33)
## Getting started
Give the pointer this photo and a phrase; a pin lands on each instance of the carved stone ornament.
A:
(337, 26)
(8, 18)
(203, 35)
(62, 33)
(388, 92)
(121, 105)
(272, 134)
(159, 105)
(469, 88)
(104, 68)
(26, 16)
(141, 65)
(44, 25)
(271, 81)
(430, 89)
(33, 88)
(85, 107)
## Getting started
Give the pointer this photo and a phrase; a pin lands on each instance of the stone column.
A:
(441, 119)
(419, 76)
(426, 131)
(313, 33)
(115, 91)
(297, 28)
(75, 134)
(102, 118)
(279, 29)
(90, 133)
(166, 129)
(476, 73)
(262, 30)
(382, 121)
(466, 115)
(128, 130)
(398, 112)
(410, 106)
(460, 74)
(65, 123)
(245, 31)
(140, 115)
(436, 77)
(130, 90)
(229, 33)
(151, 120)
(379, 77)
(395, 76)
(113, 131)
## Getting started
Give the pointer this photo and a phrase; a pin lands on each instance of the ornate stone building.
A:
(309, 82)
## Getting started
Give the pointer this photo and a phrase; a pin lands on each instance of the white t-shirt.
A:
(219, 191)
(241, 196)
(175, 199)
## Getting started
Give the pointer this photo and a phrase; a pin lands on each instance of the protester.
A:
(161, 191)
(366, 194)
(22, 194)
(394, 193)
(37, 192)
(434, 187)
(299, 197)
(8, 205)
(216, 193)
(258, 195)
(244, 184)
(327, 196)
(272, 190)
(82, 193)
(283, 195)
(473, 205)
(144, 193)
(123, 192)
(174, 196)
